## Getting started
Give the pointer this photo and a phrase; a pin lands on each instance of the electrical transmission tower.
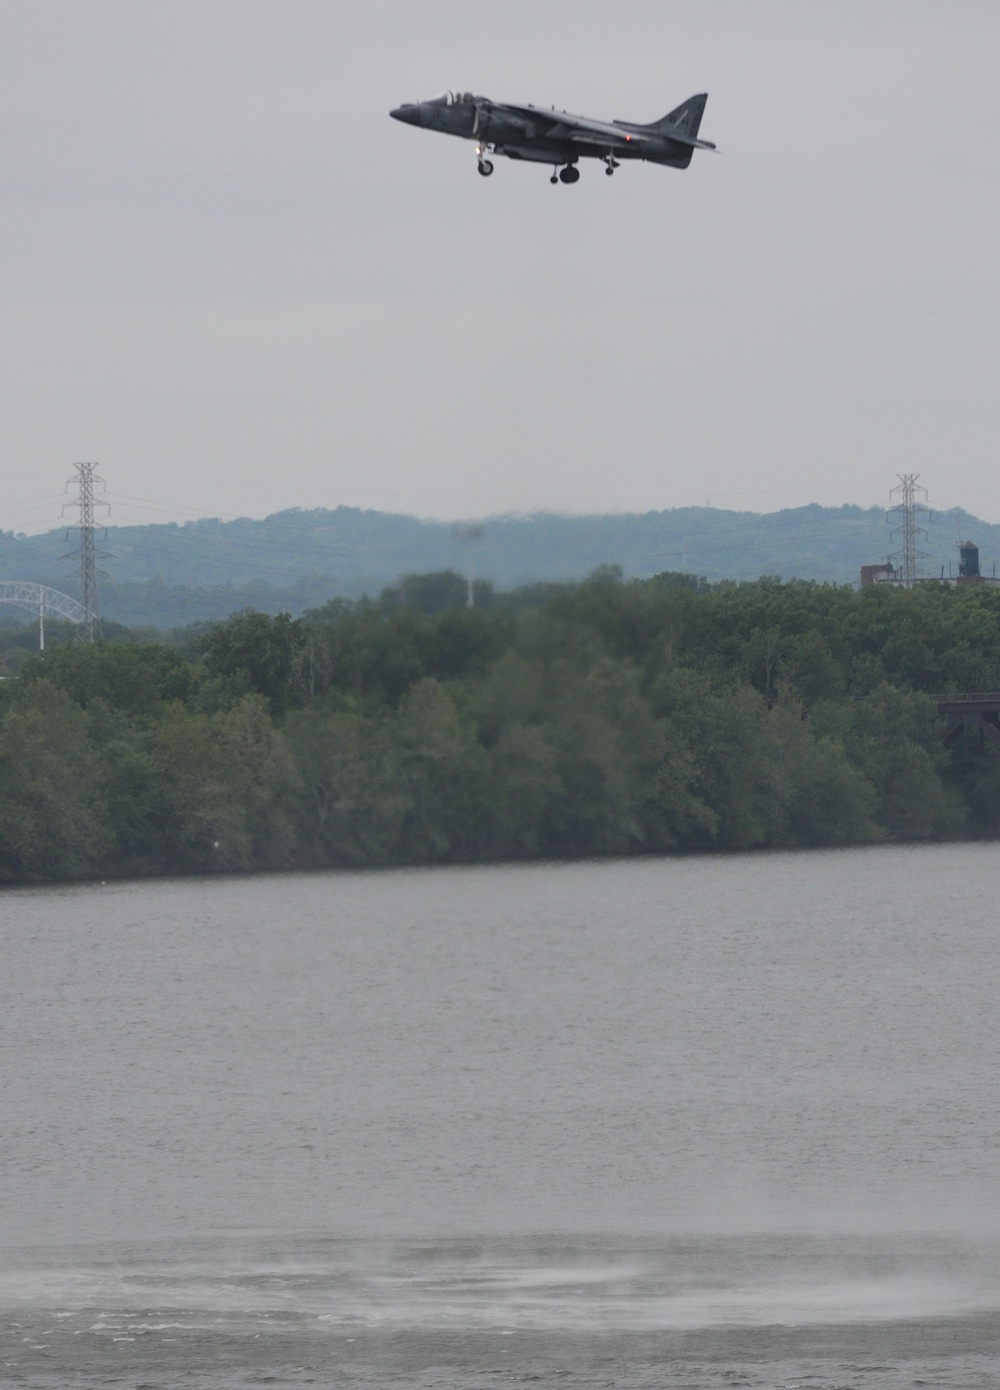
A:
(87, 553)
(908, 507)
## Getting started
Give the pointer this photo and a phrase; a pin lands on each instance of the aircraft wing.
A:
(560, 125)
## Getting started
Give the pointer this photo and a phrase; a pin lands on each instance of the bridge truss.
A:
(973, 732)
(40, 599)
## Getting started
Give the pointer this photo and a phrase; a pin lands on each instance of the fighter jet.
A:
(555, 137)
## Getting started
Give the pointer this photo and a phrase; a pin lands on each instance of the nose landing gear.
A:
(484, 165)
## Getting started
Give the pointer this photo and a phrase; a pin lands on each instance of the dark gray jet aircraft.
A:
(555, 137)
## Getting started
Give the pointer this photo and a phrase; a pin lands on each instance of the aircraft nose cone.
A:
(407, 112)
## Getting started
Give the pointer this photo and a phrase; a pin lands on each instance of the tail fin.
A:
(684, 119)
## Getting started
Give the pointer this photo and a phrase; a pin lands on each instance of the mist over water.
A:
(740, 1112)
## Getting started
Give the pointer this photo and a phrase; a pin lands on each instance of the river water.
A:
(691, 1122)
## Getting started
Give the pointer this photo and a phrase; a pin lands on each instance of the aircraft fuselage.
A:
(557, 137)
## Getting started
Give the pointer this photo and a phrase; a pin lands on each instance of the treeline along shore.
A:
(599, 718)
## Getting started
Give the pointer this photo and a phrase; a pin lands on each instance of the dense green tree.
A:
(981, 794)
(355, 800)
(607, 717)
(52, 820)
(221, 785)
(436, 593)
(726, 731)
(818, 797)
(441, 769)
(257, 653)
(138, 680)
(894, 737)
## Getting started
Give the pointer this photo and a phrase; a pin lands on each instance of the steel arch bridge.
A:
(41, 600)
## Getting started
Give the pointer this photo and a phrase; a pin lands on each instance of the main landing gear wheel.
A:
(570, 174)
(486, 167)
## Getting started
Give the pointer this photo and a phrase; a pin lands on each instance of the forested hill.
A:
(170, 575)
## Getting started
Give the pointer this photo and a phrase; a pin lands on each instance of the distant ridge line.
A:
(169, 574)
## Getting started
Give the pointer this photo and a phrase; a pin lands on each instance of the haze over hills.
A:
(170, 575)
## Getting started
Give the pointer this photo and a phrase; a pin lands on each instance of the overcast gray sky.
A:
(234, 282)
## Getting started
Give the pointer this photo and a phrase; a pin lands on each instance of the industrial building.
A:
(969, 572)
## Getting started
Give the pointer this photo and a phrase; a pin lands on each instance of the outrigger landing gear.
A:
(611, 164)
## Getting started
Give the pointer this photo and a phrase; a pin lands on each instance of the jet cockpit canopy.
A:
(452, 99)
